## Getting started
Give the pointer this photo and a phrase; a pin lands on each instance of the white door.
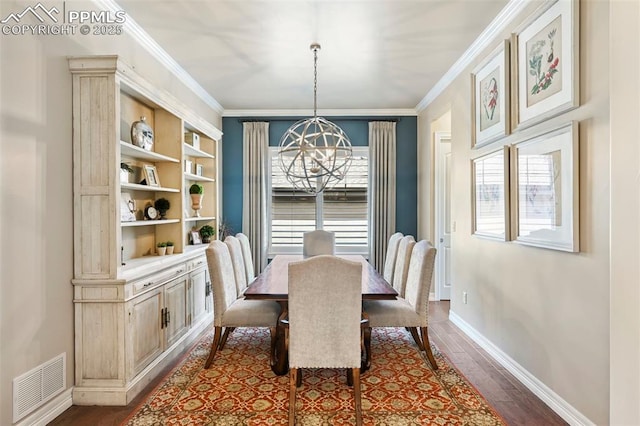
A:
(443, 215)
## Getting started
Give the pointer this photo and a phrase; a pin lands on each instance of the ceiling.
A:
(254, 55)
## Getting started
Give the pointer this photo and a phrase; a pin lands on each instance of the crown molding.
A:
(321, 112)
(484, 40)
(150, 45)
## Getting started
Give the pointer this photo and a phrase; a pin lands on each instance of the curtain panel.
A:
(255, 189)
(382, 184)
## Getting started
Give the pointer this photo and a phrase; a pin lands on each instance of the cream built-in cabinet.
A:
(135, 310)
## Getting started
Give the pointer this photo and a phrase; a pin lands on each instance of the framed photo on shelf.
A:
(195, 238)
(546, 189)
(546, 64)
(127, 208)
(490, 97)
(151, 175)
(490, 203)
(199, 169)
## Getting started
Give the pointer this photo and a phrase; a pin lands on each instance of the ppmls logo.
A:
(49, 21)
(39, 11)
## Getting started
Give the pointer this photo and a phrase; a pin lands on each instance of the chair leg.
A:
(293, 379)
(225, 336)
(366, 337)
(214, 346)
(349, 377)
(356, 395)
(427, 347)
(414, 334)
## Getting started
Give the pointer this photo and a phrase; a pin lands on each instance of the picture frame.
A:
(490, 110)
(127, 208)
(490, 195)
(195, 238)
(199, 170)
(545, 170)
(151, 175)
(546, 64)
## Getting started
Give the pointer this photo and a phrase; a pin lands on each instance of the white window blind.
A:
(342, 210)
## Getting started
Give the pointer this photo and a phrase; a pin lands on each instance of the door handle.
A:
(442, 240)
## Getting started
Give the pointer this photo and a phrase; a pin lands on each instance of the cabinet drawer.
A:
(162, 277)
(198, 262)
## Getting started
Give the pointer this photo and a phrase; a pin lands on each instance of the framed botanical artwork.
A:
(545, 170)
(546, 64)
(490, 97)
(490, 202)
(151, 175)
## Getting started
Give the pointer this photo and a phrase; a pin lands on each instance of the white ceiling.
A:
(254, 55)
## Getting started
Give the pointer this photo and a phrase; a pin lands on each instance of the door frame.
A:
(439, 225)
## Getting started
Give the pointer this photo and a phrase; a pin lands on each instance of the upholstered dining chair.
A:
(318, 242)
(402, 263)
(412, 311)
(229, 311)
(390, 257)
(324, 322)
(247, 257)
(237, 260)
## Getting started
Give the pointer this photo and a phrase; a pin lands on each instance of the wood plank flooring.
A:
(512, 400)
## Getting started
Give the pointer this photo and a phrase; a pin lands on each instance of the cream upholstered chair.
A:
(318, 242)
(390, 258)
(229, 311)
(412, 311)
(237, 260)
(402, 263)
(247, 257)
(325, 310)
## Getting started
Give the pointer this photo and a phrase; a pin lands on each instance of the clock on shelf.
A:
(151, 213)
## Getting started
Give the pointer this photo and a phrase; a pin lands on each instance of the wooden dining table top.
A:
(272, 283)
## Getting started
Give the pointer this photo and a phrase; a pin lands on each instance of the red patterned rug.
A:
(240, 389)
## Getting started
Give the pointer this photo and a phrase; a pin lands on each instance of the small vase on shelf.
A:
(197, 192)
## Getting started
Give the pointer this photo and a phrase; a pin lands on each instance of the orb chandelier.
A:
(314, 153)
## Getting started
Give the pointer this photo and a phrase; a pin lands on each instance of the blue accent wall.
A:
(357, 128)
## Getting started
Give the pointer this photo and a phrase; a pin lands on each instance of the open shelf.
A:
(138, 187)
(191, 176)
(202, 218)
(191, 151)
(149, 222)
(142, 154)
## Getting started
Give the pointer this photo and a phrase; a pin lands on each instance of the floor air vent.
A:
(36, 387)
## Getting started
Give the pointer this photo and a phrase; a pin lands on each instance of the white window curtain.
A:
(255, 189)
(382, 184)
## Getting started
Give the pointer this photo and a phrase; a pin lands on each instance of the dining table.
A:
(272, 284)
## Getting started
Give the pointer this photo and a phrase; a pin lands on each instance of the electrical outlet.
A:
(464, 297)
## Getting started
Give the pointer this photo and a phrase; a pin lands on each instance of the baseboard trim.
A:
(49, 411)
(542, 391)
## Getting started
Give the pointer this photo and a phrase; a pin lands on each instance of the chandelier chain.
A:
(315, 81)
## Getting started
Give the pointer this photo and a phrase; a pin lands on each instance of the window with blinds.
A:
(342, 209)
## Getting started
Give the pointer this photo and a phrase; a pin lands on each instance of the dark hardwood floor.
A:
(511, 399)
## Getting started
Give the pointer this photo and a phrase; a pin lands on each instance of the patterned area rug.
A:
(240, 389)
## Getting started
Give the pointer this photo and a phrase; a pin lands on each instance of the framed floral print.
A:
(490, 98)
(546, 192)
(490, 203)
(546, 64)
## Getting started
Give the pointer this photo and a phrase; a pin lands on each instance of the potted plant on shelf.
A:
(125, 171)
(206, 232)
(161, 248)
(162, 205)
(169, 247)
(196, 191)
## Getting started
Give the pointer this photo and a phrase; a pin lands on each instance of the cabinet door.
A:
(198, 296)
(177, 322)
(145, 332)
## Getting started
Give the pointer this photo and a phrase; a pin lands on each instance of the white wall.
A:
(36, 310)
(547, 310)
(625, 212)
